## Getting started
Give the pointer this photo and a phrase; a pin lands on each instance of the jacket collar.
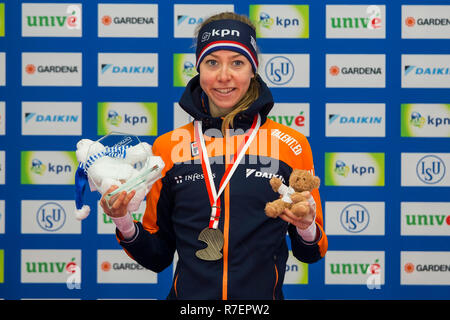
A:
(195, 103)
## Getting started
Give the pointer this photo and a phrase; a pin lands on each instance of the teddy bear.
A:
(101, 167)
(299, 181)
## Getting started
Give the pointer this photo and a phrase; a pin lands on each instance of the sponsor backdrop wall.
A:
(366, 81)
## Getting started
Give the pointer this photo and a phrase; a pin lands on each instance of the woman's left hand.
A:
(306, 210)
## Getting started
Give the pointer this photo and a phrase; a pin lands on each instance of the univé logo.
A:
(430, 169)
(279, 70)
(372, 22)
(71, 21)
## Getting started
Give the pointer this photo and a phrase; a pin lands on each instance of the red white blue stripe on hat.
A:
(228, 45)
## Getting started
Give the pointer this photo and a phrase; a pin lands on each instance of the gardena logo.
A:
(410, 267)
(107, 266)
(336, 70)
(411, 22)
(31, 69)
(108, 20)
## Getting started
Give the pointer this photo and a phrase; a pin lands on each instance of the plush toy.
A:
(101, 167)
(299, 181)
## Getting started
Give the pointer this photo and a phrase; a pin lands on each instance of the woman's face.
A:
(225, 77)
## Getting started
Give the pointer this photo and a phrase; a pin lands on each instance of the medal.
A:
(211, 235)
(214, 239)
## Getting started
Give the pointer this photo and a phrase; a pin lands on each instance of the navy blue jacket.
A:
(255, 249)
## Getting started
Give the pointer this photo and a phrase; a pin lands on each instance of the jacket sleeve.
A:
(153, 245)
(309, 252)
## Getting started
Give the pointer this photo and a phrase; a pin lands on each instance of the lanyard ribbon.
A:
(214, 197)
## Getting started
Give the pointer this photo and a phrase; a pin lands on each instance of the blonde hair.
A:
(253, 89)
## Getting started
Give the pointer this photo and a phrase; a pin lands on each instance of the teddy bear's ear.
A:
(316, 182)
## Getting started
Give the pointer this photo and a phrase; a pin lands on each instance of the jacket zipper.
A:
(175, 285)
(276, 281)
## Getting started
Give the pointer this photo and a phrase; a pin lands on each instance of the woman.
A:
(209, 204)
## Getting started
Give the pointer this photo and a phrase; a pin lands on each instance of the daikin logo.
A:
(110, 68)
(59, 118)
(409, 69)
(186, 19)
(353, 120)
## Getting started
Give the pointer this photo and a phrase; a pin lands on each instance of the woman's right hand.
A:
(119, 202)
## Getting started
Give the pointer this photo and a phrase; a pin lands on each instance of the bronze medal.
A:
(214, 239)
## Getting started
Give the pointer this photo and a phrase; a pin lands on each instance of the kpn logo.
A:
(280, 21)
(183, 68)
(48, 167)
(354, 169)
(425, 120)
(138, 118)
